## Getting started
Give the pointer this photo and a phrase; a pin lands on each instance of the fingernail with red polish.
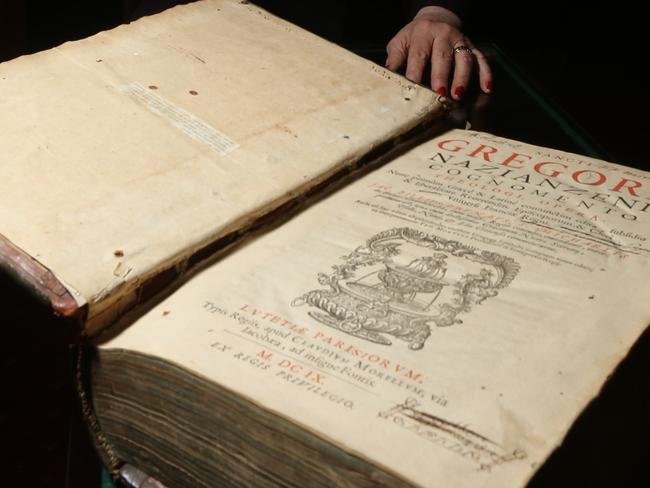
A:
(488, 86)
(459, 91)
(442, 91)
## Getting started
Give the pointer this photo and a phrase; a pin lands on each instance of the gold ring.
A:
(460, 48)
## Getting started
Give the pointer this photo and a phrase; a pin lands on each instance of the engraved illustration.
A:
(403, 282)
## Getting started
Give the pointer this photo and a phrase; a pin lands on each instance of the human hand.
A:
(433, 38)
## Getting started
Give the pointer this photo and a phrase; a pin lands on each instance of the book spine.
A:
(40, 281)
(103, 447)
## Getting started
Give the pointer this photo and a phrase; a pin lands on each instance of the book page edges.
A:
(290, 425)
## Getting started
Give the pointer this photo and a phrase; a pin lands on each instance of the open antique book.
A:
(263, 315)
(444, 317)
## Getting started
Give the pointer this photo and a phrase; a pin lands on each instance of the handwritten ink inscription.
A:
(453, 437)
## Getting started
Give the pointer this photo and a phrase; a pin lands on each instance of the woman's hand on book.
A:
(434, 39)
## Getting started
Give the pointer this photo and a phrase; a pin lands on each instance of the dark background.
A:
(585, 60)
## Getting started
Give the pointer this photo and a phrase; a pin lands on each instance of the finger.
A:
(463, 64)
(419, 54)
(396, 50)
(441, 61)
(484, 71)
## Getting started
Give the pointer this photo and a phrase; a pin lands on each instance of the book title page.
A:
(446, 316)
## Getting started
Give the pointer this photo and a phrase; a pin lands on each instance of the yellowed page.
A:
(447, 316)
(125, 152)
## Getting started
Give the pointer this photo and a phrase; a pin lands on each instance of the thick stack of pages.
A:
(440, 321)
(129, 157)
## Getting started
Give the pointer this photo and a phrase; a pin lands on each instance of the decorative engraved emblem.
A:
(402, 282)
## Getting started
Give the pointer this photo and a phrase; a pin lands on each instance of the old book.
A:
(439, 321)
(131, 156)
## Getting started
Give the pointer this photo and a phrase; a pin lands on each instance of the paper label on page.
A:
(181, 119)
